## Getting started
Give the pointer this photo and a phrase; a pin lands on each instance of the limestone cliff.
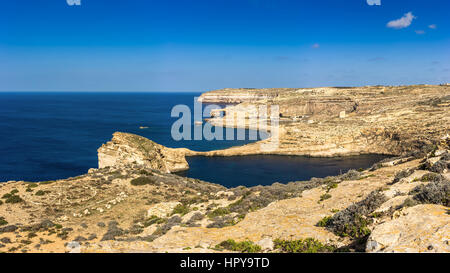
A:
(239, 95)
(125, 149)
(344, 121)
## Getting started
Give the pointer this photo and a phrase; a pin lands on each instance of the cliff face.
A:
(128, 149)
(239, 95)
(344, 121)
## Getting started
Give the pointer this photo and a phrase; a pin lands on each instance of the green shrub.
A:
(180, 209)
(325, 197)
(324, 221)
(14, 199)
(143, 180)
(6, 195)
(353, 221)
(3, 221)
(358, 229)
(218, 212)
(308, 245)
(153, 220)
(332, 185)
(244, 247)
(14, 191)
(40, 193)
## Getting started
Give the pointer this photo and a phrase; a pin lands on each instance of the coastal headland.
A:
(135, 202)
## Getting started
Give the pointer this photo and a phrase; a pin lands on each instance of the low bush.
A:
(324, 221)
(6, 195)
(332, 185)
(223, 221)
(435, 192)
(153, 220)
(143, 180)
(353, 220)
(180, 209)
(40, 193)
(308, 245)
(113, 231)
(324, 197)
(440, 166)
(402, 174)
(196, 217)
(173, 221)
(13, 199)
(219, 212)
(351, 175)
(243, 247)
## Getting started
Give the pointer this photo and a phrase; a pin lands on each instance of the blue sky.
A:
(196, 45)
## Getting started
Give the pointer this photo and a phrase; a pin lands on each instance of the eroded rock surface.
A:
(125, 149)
(422, 228)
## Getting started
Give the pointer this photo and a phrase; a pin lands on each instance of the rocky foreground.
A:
(135, 203)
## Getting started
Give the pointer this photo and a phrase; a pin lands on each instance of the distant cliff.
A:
(344, 121)
(239, 95)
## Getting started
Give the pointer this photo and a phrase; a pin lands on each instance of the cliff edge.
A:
(127, 149)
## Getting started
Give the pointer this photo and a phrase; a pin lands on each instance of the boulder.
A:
(129, 149)
(422, 228)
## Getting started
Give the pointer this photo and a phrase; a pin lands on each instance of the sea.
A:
(55, 135)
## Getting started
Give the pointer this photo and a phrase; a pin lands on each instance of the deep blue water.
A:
(266, 169)
(46, 136)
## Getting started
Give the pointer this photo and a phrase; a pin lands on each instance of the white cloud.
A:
(316, 45)
(374, 2)
(433, 26)
(403, 22)
(420, 32)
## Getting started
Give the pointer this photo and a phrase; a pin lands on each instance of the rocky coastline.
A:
(135, 203)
